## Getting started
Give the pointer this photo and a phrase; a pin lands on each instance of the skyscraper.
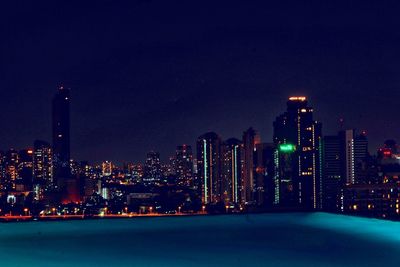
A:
(11, 162)
(42, 163)
(332, 171)
(232, 170)
(344, 162)
(184, 165)
(107, 168)
(264, 173)
(61, 137)
(250, 140)
(152, 168)
(25, 170)
(296, 130)
(354, 150)
(209, 167)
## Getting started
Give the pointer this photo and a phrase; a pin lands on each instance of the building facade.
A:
(209, 167)
(297, 136)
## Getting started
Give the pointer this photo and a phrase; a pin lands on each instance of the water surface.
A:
(295, 239)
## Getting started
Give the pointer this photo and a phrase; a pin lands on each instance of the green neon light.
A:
(287, 148)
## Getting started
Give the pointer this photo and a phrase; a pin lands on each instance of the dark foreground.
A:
(296, 239)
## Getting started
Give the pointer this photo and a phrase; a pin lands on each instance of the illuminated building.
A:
(284, 171)
(344, 162)
(297, 137)
(168, 175)
(75, 167)
(209, 167)
(2, 171)
(372, 200)
(106, 168)
(152, 168)
(250, 140)
(42, 163)
(136, 171)
(25, 170)
(232, 170)
(61, 137)
(388, 159)
(11, 162)
(184, 165)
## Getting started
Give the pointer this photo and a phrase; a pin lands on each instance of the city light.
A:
(287, 148)
(297, 98)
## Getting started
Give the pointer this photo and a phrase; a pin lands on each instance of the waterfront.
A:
(288, 239)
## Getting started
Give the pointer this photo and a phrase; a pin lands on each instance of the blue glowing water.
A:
(296, 239)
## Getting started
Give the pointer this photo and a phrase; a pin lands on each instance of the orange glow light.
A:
(297, 98)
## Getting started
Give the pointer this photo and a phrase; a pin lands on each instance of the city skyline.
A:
(136, 81)
(299, 169)
(199, 133)
(166, 156)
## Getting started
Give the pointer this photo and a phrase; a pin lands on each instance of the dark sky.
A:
(150, 75)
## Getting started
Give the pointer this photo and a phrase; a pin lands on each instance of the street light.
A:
(26, 210)
(151, 209)
(204, 209)
(179, 209)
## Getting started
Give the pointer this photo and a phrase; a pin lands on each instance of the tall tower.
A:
(354, 154)
(184, 165)
(296, 131)
(209, 167)
(42, 163)
(264, 173)
(344, 159)
(61, 137)
(232, 169)
(152, 168)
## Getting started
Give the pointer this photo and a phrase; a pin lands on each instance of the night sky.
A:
(149, 75)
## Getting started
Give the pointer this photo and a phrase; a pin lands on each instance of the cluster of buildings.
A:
(300, 169)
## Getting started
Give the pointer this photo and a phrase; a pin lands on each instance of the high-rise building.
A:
(209, 167)
(152, 168)
(25, 170)
(136, 171)
(250, 140)
(107, 168)
(42, 163)
(344, 162)
(184, 165)
(332, 171)
(357, 151)
(264, 174)
(61, 137)
(11, 162)
(297, 136)
(66, 185)
(232, 170)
